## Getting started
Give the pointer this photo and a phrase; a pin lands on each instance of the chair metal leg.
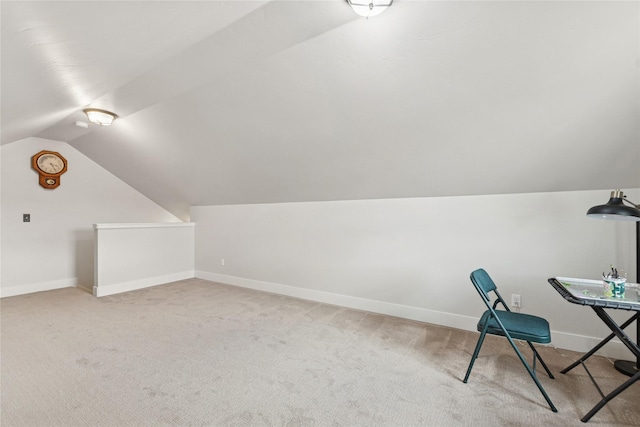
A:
(537, 355)
(532, 374)
(475, 354)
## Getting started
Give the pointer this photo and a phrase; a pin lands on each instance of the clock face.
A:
(50, 163)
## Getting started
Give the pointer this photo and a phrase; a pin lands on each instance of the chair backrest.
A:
(483, 283)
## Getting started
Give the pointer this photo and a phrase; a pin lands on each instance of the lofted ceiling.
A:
(225, 102)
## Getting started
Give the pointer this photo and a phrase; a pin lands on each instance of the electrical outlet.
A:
(221, 261)
(26, 217)
(516, 301)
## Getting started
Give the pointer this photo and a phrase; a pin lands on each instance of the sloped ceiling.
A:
(280, 101)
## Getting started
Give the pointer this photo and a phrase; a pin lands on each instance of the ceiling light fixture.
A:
(368, 8)
(100, 117)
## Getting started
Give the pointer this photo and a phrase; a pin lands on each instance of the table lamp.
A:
(617, 210)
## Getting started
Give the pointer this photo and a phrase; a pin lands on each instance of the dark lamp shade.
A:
(615, 209)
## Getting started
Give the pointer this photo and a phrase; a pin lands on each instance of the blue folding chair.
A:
(511, 325)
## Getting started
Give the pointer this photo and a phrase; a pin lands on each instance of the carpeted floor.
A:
(196, 353)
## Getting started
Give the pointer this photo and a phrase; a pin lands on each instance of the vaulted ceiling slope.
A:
(278, 101)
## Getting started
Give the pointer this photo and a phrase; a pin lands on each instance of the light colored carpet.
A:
(196, 353)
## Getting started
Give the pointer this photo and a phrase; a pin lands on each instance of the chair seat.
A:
(520, 326)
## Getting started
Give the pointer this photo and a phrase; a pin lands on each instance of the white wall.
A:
(56, 248)
(135, 256)
(412, 257)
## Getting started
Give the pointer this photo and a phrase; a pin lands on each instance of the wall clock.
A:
(49, 165)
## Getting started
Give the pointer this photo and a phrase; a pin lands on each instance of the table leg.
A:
(618, 330)
(633, 347)
(610, 396)
(600, 344)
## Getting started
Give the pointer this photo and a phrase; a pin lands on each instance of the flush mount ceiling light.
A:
(368, 8)
(100, 117)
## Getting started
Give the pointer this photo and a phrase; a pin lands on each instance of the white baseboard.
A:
(381, 307)
(30, 288)
(117, 288)
(563, 340)
(581, 343)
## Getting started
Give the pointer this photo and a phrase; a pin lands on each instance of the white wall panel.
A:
(135, 256)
